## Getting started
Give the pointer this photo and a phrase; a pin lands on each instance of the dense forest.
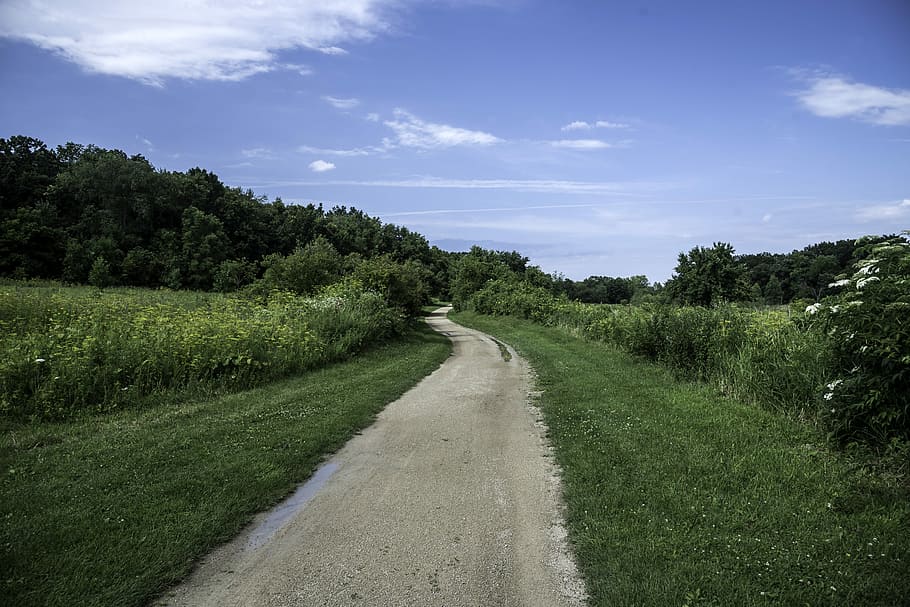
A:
(84, 214)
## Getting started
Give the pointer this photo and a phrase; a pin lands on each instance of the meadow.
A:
(678, 495)
(71, 351)
(114, 508)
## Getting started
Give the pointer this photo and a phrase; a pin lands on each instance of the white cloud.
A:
(413, 132)
(581, 125)
(885, 211)
(372, 117)
(256, 153)
(332, 50)
(341, 103)
(146, 142)
(303, 70)
(578, 125)
(581, 144)
(307, 149)
(321, 166)
(152, 41)
(606, 124)
(767, 217)
(835, 97)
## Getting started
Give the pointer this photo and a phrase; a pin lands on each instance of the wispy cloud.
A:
(836, 97)
(488, 210)
(153, 41)
(306, 149)
(256, 153)
(321, 166)
(372, 117)
(332, 50)
(581, 125)
(413, 132)
(341, 103)
(581, 144)
(894, 210)
(146, 143)
(631, 189)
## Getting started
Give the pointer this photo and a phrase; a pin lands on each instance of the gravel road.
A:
(450, 498)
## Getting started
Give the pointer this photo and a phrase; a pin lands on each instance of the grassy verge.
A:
(677, 496)
(113, 510)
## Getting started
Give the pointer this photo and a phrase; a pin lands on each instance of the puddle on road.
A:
(282, 513)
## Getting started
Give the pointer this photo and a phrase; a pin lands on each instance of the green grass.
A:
(70, 351)
(678, 496)
(113, 510)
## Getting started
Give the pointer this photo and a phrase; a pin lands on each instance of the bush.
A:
(402, 285)
(868, 395)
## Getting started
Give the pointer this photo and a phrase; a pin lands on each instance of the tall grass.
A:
(65, 351)
(760, 356)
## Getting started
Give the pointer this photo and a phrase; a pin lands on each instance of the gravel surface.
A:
(450, 498)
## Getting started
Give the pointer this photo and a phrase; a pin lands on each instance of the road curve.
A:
(450, 498)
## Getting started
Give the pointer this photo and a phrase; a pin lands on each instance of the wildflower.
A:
(864, 281)
(813, 308)
(829, 396)
(839, 283)
(39, 360)
(835, 384)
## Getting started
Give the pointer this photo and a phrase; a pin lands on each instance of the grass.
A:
(113, 510)
(678, 496)
(69, 351)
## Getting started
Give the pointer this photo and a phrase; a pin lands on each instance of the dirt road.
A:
(450, 498)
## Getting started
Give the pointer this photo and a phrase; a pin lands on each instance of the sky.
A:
(595, 137)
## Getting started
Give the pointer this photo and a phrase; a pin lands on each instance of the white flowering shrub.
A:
(869, 322)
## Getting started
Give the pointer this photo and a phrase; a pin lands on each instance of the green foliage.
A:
(760, 357)
(707, 276)
(68, 351)
(305, 270)
(868, 396)
(403, 285)
(512, 297)
(472, 273)
(233, 274)
(100, 274)
(62, 209)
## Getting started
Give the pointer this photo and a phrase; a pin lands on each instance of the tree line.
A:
(85, 214)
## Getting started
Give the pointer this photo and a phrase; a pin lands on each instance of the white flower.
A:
(835, 309)
(829, 396)
(862, 282)
(813, 308)
(840, 283)
(39, 360)
(835, 384)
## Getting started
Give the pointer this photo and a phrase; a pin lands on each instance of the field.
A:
(113, 509)
(677, 495)
(66, 352)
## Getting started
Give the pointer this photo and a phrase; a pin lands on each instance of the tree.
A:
(707, 276)
(774, 294)
(305, 270)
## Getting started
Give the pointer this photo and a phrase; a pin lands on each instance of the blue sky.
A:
(595, 137)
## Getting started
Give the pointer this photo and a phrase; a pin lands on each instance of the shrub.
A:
(868, 395)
